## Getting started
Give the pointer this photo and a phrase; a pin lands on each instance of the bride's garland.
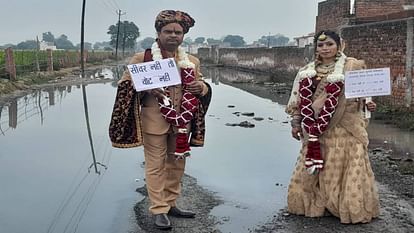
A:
(189, 102)
(315, 127)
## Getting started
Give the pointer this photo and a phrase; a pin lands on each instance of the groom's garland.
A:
(315, 127)
(189, 102)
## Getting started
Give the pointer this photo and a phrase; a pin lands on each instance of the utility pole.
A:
(117, 34)
(85, 102)
(82, 39)
(123, 41)
(268, 40)
(37, 54)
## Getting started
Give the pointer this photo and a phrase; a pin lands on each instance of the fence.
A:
(27, 61)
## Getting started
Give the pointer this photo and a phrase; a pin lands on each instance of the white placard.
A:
(154, 74)
(366, 83)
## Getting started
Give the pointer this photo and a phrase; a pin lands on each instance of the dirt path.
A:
(193, 197)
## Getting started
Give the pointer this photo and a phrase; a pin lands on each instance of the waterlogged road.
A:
(51, 138)
(59, 172)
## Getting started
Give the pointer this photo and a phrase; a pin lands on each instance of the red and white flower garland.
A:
(189, 102)
(316, 127)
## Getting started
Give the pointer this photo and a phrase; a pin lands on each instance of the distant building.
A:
(44, 45)
(304, 40)
(193, 48)
(256, 44)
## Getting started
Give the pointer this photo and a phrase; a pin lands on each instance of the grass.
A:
(25, 60)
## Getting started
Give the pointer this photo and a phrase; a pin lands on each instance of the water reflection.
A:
(22, 108)
(225, 75)
(50, 158)
(85, 105)
(391, 138)
(257, 84)
(50, 137)
(249, 168)
(18, 110)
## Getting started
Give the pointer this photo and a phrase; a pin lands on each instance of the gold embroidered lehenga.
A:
(346, 185)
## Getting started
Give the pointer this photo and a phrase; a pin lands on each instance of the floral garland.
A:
(183, 60)
(315, 127)
(189, 102)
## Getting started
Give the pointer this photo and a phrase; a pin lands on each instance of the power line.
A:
(111, 4)
(107, 7)
(116, 4)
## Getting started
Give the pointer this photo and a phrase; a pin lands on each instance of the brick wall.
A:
(281, 62)
(203, 55)
(370, 8)
(383, 44)
(377, 33)
(332, 14)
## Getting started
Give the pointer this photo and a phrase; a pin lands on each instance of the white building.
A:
(304, 40)
(44, 45)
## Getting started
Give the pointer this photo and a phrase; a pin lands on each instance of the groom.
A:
(163, 169)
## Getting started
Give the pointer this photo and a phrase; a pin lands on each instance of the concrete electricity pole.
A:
(82, 39)
(117, 34)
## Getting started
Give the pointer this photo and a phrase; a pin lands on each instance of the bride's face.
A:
(327, 49)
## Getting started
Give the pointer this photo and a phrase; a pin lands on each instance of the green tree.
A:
(48, 37)
(128, 33)
(234, 40)
(147, 42)
(274, 40)
(9, 46)
(63, 43)
(28, 44)
(187, 41)
(199, 40)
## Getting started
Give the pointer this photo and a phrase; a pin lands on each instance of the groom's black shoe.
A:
(174, 211)
(162, 222)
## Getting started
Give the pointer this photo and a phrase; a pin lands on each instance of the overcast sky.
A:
(25, 19)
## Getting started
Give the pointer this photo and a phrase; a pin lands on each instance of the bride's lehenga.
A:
(346, 186)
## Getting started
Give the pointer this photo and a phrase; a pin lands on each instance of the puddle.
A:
(49, 141)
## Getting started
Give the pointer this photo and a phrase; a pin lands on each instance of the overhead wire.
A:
(107, 7)
(82, 206)
(116, 4)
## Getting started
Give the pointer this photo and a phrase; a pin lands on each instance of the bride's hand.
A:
(297, 133)
(371, 106)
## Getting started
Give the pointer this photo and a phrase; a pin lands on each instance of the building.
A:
(303, 41)
(44, 45)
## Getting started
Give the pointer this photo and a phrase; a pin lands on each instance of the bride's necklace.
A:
(323, 70)
(335, 76)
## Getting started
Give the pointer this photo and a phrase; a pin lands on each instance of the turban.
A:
(171, 16)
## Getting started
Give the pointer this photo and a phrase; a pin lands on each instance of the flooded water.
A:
(248, 167)
(398, 142)
(59, 173)
(48, 181)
